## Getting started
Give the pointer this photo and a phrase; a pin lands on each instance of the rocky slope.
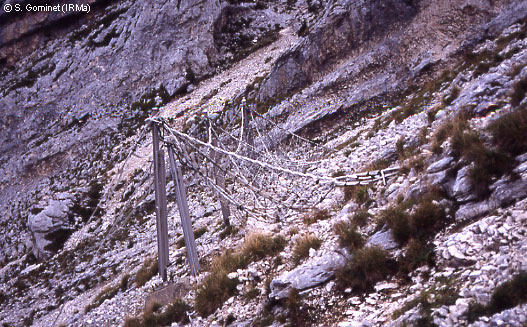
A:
(329, 89)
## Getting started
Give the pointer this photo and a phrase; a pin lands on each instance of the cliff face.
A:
(74, 82)
(372, 84)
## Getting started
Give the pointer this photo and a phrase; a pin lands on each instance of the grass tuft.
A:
(152, 316)
(217, 287)
(368, 266)
(348, 235)
(316, 215)
(508, 132)
(417, 253)
(107, 293)
(302, 246)
(360, 217)
(357, 193)
(146, 272)
(505, 296)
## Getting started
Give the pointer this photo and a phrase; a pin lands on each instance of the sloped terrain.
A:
(435, 91)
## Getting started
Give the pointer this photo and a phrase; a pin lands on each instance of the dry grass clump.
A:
(153, 317)
(257, 246)
(457, 124)
(348, 235)
(146, 272)
(519, 92)
(297, 314)
(398, 220)
(423, 223)
(427, 219)
(360, 217)
(199, 232)
(316, 215)
(357, 193)
(107, 293)
(217, 287)
(505, 296)
(302, 246)
(487, 163)
(418, 253)
(508, 132)
(468, 144)
(368, 266)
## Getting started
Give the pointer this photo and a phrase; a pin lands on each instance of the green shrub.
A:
(368, 266)
(302, 246)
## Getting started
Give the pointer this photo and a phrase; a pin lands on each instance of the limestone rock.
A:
(384, 239)
(50, 226)
(310, 274)
(462, 189)
(338, 33)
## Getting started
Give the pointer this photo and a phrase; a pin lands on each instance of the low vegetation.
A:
(146, 272)
(357, 193)
(153, 315)
(348, 235)
(444, 293)
(106, 294)
(508, 132)
(505, 296)
(302, 246)
(217, 287)
(199, 232)
(488, 161)
(415, 230)
(368, 266)
(316, 215)
(360, 217)
(296, 311)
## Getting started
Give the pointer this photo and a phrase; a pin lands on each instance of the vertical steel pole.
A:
(160, 198)
(186, 222)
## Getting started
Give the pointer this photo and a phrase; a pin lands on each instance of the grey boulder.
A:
(307, 275)
(50, 226)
